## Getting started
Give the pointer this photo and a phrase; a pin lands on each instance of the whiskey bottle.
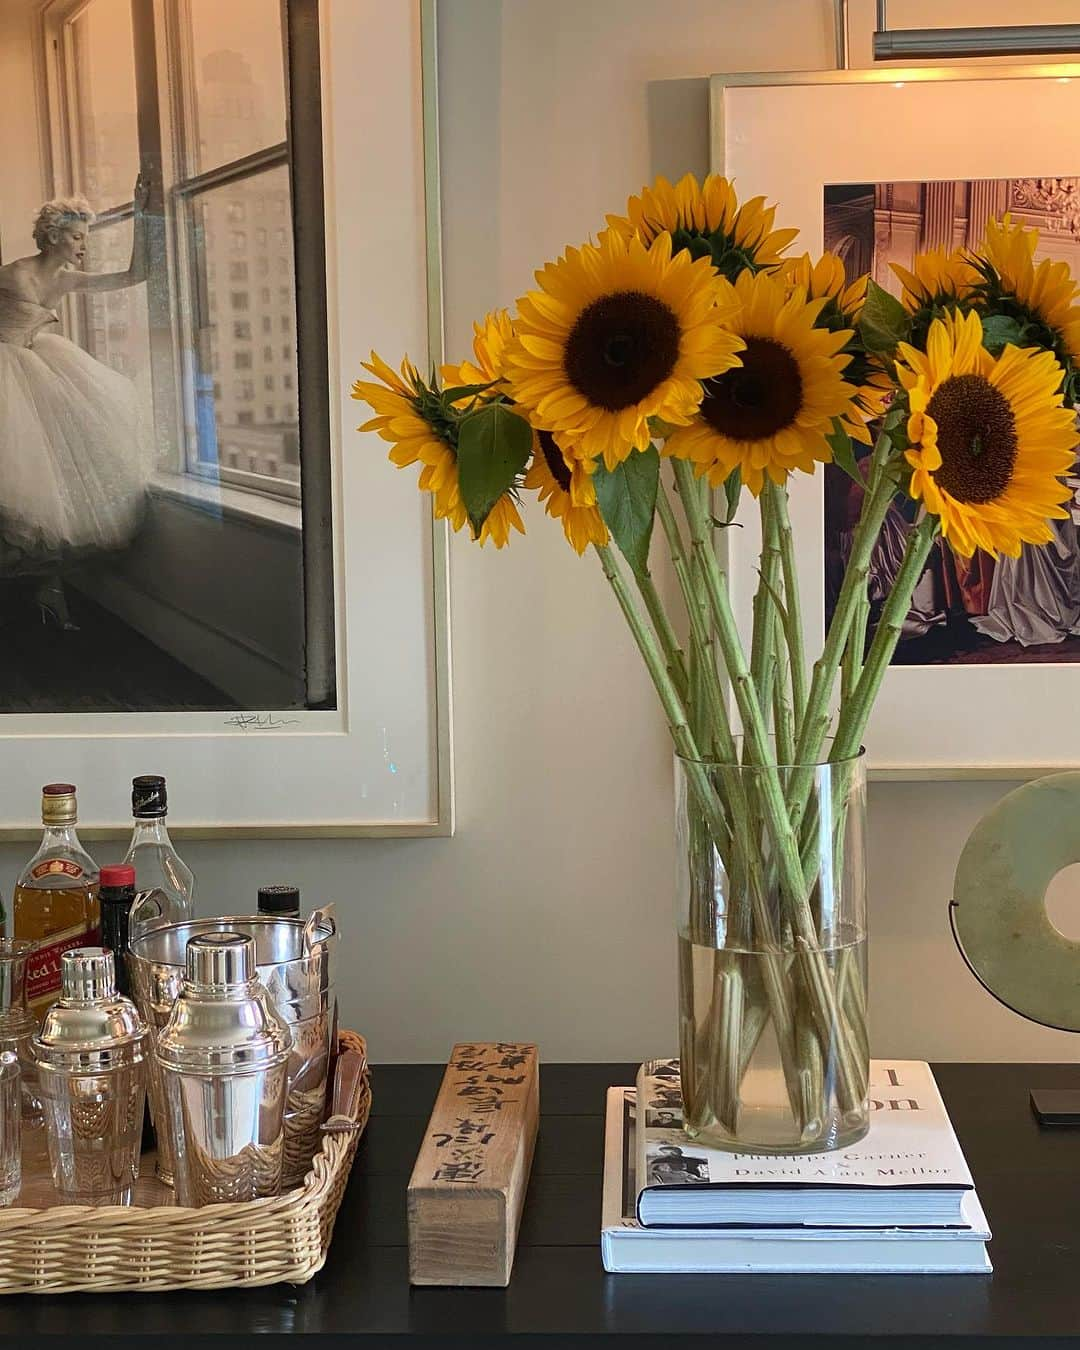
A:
(56, 897)
(166, 883)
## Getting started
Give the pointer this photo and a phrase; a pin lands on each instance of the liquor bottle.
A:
(283, 902)
(117, 895)
(56, 897)
(166, 883)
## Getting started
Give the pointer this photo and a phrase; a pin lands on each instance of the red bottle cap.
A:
(118, 874)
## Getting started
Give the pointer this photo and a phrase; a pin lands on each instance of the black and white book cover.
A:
(909, 1168)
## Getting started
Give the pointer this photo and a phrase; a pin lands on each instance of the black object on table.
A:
(1028, 1179)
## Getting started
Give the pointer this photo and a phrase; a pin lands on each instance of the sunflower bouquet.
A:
(681, 368)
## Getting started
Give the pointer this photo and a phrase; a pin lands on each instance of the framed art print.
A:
(210, 214)
(876, 166)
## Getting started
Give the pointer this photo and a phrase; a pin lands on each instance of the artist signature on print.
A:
(245, 721)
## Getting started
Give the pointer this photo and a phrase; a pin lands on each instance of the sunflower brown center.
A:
(976, 437)
(553, 457)
(621, 347)
(758, 398)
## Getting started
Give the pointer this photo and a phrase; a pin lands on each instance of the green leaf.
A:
(884, 321)
(843, 452)
(493, 448)
(732, 492)
(999, 330)
(627, 500)
(457, 391)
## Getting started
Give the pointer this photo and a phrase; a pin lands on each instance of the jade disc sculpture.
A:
(998, 910)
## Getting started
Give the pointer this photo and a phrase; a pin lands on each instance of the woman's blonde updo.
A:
(59, 215)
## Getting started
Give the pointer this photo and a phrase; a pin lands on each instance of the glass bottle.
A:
(166, 883)
(117, 896)
(56, 897)
(283, 902)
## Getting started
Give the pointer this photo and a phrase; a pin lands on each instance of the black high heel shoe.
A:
(52, 605)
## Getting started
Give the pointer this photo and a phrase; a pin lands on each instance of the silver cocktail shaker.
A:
(91, 1061)
(223, 1058)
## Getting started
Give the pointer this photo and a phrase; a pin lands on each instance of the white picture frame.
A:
(788, 135)
(380, 764)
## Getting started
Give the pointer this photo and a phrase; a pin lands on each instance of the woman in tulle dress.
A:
(74, 458)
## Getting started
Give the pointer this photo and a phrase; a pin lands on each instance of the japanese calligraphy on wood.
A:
(468, 1186)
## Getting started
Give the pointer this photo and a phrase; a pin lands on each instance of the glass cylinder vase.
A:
(771, 918)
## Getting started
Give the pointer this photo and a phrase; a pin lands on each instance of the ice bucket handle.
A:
(319, 918)
(348, 1085)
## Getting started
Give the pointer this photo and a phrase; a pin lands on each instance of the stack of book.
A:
(901, 1200)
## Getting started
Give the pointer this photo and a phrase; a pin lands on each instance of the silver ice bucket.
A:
(295, 961)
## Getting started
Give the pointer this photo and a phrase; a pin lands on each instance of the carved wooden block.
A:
(468, 1186)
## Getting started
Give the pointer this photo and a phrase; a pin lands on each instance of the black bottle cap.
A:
(148, 796)
(279, 900)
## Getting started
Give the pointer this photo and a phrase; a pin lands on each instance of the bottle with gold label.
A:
(56, 898)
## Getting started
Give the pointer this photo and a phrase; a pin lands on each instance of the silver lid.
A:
(223, 1021)
(219, 960)
(90, 1023)
(87, 973)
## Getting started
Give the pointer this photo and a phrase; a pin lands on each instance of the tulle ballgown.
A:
(74, 462)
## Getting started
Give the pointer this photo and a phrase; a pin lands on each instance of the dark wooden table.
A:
(1028, 1178)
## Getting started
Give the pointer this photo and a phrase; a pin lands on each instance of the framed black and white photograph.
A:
(878, 165)
(197, 548)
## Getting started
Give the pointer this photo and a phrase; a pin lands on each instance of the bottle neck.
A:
(57, 835)
(150, 830)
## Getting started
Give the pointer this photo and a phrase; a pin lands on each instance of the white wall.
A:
(548, 915)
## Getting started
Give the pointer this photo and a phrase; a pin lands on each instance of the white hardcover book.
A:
(907, 1170)
(626, 1245)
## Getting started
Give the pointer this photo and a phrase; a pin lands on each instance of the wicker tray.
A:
(54, 1248)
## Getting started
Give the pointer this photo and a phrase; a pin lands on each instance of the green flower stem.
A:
(699, 634)
(856, 711)
(764, 597)
(741, 860)
(880, 489)
(783, 721)
(668, 695)
(744, 846)
(673, 654)
(820, 989)
(793, 628)
(855, 651)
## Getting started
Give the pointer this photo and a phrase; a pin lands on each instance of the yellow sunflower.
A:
(616, 334)
(772, 414)
(707, 220)
(990, 437)
(566, 489)
(827, 280)
(490, 342)
(936, 278)
(1045, 289)
(410, 417)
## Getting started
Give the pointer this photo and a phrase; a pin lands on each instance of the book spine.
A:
(640, 1140)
